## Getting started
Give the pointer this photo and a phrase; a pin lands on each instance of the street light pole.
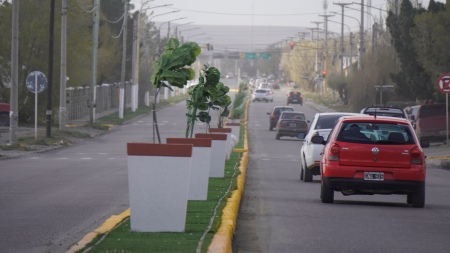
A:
(325, 84)
(342, 36)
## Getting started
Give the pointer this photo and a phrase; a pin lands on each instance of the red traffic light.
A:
(292, 44)
(324, 72)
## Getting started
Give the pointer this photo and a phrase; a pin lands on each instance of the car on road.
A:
(291, 123)
(262, 95)
(355, 163)
(275, 115)
(4, 114)
(295, 97)
(229, 76)
(384, 111)
(431, 122)
(310, 153)
(411, 113)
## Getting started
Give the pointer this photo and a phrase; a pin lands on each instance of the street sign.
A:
(444, 83)
(250, 55)
(36, 82)
(265, 56)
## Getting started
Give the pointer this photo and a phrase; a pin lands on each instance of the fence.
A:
(107, 98)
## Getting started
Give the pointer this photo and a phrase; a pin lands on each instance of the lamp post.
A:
(195, 28)
(342, 35)
(168, 29)
(176, 28)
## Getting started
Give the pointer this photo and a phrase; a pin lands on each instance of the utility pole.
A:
(342, 35)
(361, 36)
(48, 112)
(350, 69)
(96, 20)
(14, 110)
(122, 102)
(325, 84)
(316, 67)
(135, 63)
(63, 75)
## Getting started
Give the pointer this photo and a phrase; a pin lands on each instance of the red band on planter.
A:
(155, 149)
(216, 137)
(233, 124)
(220, 130)
(197, 142)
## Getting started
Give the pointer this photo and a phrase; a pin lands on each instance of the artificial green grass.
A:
(198, 218)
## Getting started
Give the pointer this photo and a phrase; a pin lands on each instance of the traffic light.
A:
(292, 45)
(208, 46)
(324, 73)
(211, 47)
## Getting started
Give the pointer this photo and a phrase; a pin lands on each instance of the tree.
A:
(430, 37)
(412, 81)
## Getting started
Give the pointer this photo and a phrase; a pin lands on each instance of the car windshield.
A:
(381, 133)
(327, 121)
(299, 116)
(278, 111)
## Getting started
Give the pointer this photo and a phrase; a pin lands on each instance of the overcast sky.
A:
(261, 22)
(298, 13)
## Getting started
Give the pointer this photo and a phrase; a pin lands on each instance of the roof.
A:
(371, 118)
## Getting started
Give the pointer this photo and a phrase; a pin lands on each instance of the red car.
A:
(4, 114)
(366, 155)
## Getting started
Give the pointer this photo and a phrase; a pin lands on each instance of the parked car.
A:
(384, 111)
(263, 86)
(310, 153)
(411, 113)
(4, 114)
(275, 115)
(275, 86)
(291, 124)
(430, 122)
(295, 97)
(229, 75)
(262, 95)
(356, 164)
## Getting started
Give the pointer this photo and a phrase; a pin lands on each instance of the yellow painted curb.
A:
(430, 158)
(240, 150)
(108, 225)
(222, 239)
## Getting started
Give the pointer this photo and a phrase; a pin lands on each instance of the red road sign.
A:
(444, 83)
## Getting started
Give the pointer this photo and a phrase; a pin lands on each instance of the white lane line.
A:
(62, 158)
(86, 158)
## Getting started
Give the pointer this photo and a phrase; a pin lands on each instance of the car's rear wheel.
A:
(418, 198)
(4, 119)
(301, 171)
(308, 175)
(278, 136)
(326, 194)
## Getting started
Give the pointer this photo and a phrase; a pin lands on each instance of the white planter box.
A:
(226, 131)
(201, 161)
(218, 153)
(158, 182)
(235, 129)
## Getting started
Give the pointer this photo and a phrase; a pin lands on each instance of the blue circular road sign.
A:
(36, 81)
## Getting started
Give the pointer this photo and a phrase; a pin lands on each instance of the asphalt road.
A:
(49, 201)
(279, 213)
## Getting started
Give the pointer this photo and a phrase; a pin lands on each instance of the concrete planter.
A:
(201, 161)
(158, 181)
(218, 153)
(226, 131)
(235, 130)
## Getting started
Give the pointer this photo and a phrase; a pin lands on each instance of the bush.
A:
(237, 113)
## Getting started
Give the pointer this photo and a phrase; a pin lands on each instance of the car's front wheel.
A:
(301, 171)
(326, 194)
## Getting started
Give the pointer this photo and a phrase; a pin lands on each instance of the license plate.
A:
(374, 176)
(294, 100)
(292, 125)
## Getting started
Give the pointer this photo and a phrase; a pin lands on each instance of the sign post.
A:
(36, 82)
(444, 86)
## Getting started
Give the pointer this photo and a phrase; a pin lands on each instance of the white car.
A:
(262, 95)
(310, 153)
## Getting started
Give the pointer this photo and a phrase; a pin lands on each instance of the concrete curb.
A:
(222, 239)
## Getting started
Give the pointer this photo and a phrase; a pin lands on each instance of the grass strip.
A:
(198, 217)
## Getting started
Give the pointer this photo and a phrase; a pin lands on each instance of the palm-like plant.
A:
(208, 94)
(171, 69)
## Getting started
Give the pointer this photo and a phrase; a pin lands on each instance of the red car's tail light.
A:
(335, 150)
(416, 157)
(301, 96)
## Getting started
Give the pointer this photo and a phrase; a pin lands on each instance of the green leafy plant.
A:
(171, 69)
(208, 94)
